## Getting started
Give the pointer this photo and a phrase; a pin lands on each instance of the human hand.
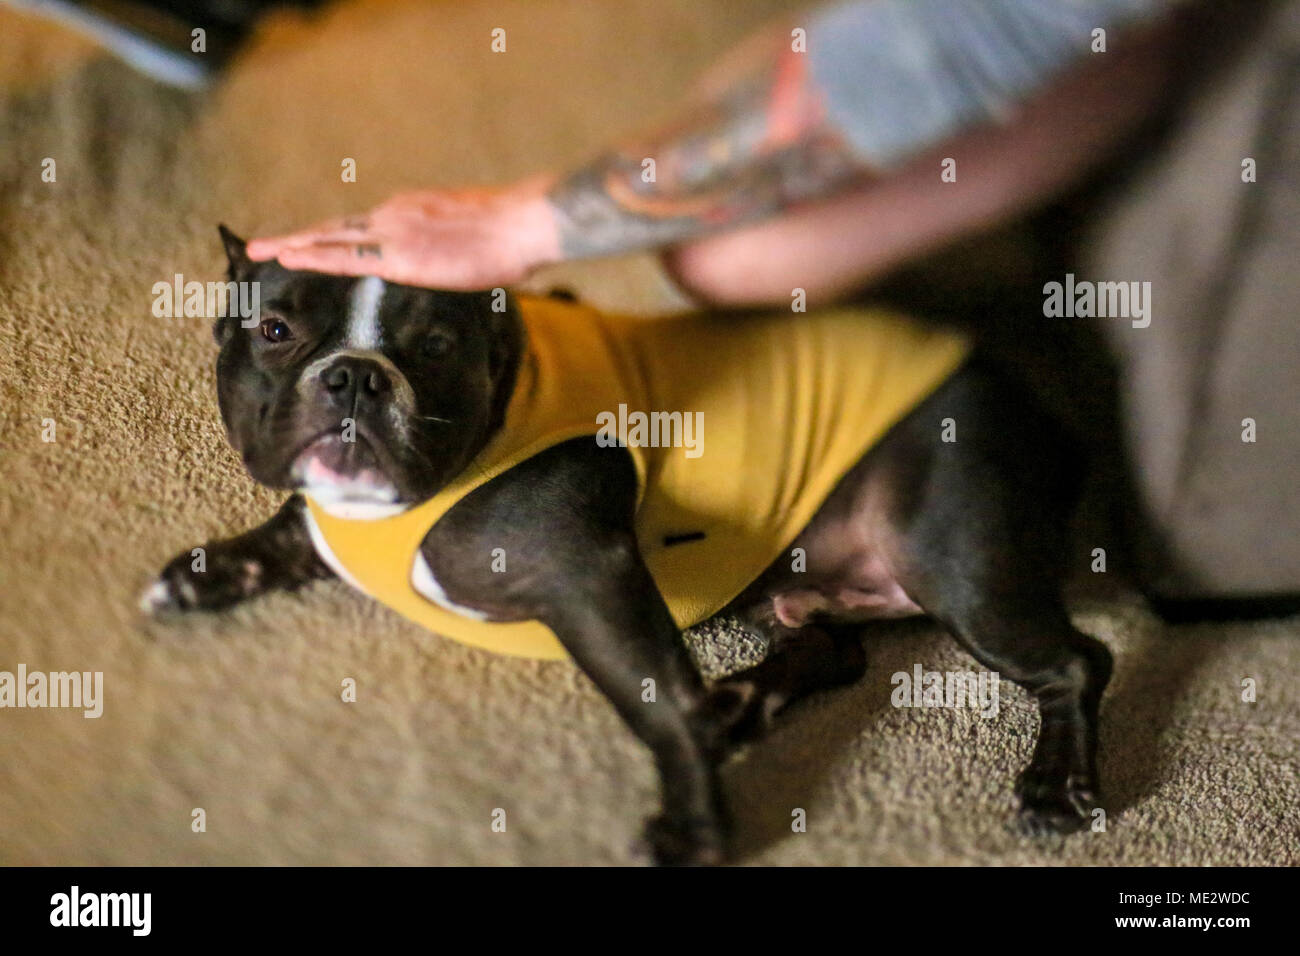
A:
(462, 239)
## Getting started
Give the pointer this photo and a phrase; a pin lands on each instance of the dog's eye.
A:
(437, 344)
(276, 330)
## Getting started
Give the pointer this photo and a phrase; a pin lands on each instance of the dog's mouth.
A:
(345, 474)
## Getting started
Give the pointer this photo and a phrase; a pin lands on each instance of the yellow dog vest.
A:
(739, 428)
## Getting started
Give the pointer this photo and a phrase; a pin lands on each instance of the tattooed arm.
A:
(753, 141)
(880, 83)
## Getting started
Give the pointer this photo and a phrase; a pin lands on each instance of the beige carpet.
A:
(241, 715)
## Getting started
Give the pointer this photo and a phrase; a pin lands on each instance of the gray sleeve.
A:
(902, 75)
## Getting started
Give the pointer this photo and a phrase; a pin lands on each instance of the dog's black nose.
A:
(351, 377)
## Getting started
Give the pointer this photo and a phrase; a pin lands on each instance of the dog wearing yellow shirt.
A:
(536, 478)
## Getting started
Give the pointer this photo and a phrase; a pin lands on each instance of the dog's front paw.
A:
(692, 842)
(202, 582)
(1054, 800)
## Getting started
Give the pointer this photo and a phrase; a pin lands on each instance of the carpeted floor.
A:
(241, 715)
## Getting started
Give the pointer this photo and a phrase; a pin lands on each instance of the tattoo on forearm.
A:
(756, 147)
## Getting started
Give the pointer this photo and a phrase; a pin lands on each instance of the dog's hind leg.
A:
(981, 544)
(1066, 671)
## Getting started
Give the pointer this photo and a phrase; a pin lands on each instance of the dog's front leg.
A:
(566, 519)
(277, 555)
(620, 633)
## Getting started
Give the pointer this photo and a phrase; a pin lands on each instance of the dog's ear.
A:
(236, 252)
(239, 265)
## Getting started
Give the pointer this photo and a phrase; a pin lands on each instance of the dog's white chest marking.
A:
(427, 585)
(364, 330)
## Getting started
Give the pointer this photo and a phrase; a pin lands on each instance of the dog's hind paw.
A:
(695, 842)
(1054, 802)
(735, 712)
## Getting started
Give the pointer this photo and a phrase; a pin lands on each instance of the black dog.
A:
(971, 532)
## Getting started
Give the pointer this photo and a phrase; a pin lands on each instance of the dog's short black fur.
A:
(973, 532)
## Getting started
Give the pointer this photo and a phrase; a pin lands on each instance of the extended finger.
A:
(341, 258)
(347, 229)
